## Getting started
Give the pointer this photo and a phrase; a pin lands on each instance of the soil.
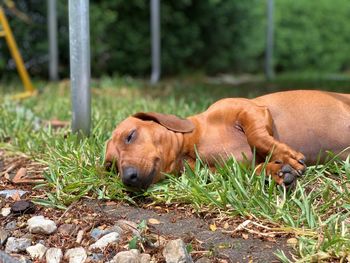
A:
(210, 235)
(179, 223)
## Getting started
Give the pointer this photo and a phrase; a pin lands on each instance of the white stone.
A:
(76, 255)
(6, 211)
(80, 236)
(15, 245)
(131, 256)
(105, 241)
(175, 252)
(37, 251)
(145, 258)
(54, 255)
(40, 225)
(3, 236)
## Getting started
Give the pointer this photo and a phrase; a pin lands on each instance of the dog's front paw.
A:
(282, 174)
(289, 176)
(295, 160)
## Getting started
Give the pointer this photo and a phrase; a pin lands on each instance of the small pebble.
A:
(145, 258)
(95, 257)
(97, 233)
(76, 255)
(11, 225)
(3, 236)
(80, 236)
(40, 225)
(54, 255)
(105, 241)
(175, 252)
(23, 207)
(5, 211)
(36, 252)
(15, 245)
(131, 256)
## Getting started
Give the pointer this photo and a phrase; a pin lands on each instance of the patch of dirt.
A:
(210, 235)
(181, 222)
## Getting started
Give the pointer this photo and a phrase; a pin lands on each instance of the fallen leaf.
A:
(213, 227)
(55, 123)
(22, 178)
(271, 239)
(80, 236)
(21, 173)
(7, 176)
(16, 196)
(153, 221)
(109, 203)
(292, 241)
(224, 246)
(245, 236)
(102, 227)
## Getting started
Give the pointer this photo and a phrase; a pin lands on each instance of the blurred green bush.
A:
(312, 35)
(197, 35)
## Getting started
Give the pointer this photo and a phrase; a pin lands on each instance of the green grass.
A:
(317, 212)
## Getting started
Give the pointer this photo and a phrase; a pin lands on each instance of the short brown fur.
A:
(290, 126)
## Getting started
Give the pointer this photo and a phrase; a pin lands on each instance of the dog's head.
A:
(144, 146)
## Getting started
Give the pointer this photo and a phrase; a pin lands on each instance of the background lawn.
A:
(317, 212)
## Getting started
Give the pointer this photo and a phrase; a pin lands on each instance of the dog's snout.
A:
(130, 176)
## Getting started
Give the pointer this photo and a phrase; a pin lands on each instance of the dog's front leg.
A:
(285, 163)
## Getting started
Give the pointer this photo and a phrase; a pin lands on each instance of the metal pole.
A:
(269, 71)
(155, 35)
(53, 47)
(79, 44)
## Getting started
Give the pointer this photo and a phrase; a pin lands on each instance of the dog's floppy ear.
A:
(171, 122)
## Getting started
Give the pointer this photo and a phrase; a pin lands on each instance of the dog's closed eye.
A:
(131, 137)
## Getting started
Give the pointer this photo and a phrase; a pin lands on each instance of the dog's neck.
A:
(184, 149)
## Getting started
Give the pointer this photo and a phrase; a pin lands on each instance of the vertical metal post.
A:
(79, 45)
(53, 47)
(269, 71)
(155, 38)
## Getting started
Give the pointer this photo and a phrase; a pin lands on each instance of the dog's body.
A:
(289, 126)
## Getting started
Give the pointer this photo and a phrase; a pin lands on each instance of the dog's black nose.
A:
(130, 176)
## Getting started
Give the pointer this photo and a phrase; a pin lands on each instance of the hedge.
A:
(211, 36)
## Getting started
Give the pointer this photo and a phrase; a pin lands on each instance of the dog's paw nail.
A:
(301, 161)
(288, 179)
(300, 172)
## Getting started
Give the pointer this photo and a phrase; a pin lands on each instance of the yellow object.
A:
(22, 71)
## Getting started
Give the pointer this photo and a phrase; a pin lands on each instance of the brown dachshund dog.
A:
(293, 128)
